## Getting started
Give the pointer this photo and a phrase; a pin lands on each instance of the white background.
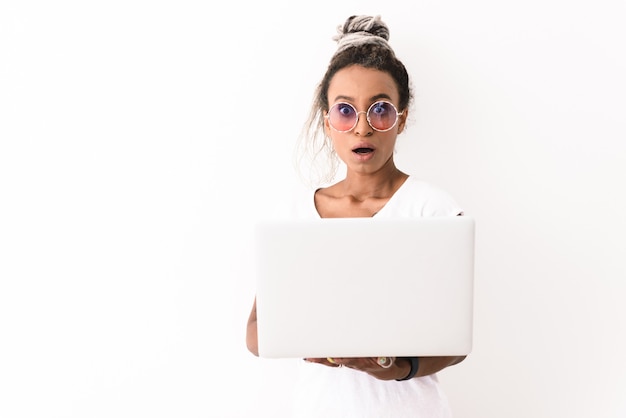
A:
(139, 141)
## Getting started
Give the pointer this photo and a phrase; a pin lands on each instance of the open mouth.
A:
(363, 150)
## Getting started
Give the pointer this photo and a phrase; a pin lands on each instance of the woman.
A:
(361, 106)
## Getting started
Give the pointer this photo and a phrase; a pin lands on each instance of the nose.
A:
(362, 127)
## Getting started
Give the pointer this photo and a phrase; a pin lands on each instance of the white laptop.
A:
(365, 287)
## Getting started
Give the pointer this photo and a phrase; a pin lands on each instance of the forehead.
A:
(359, 84)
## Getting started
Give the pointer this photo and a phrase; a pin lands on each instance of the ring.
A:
(330, 360)
(385, 362)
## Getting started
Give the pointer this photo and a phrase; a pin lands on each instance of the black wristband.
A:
(415, 364)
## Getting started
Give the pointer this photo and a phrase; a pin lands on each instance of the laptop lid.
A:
(365, 287)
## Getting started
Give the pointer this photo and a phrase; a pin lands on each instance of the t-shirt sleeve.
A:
(440, 203)
(421, 199)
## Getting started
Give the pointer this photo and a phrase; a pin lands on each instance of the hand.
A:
(384, 368)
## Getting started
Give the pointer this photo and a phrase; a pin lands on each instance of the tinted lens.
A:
(342, 116)
(382, 116)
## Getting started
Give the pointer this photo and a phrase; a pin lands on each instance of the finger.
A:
(324, 361)
(367, 363)
(333, 362)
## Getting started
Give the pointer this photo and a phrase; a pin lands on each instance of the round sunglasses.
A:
(381, 116)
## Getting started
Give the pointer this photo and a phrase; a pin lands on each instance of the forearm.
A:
(426, 366)
(431, 365)
(401, 369)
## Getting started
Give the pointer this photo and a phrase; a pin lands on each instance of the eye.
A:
(380, 108)
(345, 109)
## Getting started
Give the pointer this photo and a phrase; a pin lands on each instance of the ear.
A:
(326, 124)
(402, 121)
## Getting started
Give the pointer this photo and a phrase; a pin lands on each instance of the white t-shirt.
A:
(327, 392)
(414, 199)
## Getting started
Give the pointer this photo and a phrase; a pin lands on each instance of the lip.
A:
(363, 157)
(363, 145)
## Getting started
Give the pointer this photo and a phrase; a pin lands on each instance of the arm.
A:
(431, 365)
(427, 366)
(398, 371)
(251, 332)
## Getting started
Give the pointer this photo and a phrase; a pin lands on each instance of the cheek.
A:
(390, 143)
(339, 145)
(336, 144)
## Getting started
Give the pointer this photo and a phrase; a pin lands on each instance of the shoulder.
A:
(422, 189)
(421, 198)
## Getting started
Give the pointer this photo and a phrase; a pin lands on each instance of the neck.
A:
(381, 184)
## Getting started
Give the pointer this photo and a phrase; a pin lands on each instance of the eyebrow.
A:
(373, 98)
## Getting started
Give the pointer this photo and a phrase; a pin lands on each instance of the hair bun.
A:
(362, 25)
